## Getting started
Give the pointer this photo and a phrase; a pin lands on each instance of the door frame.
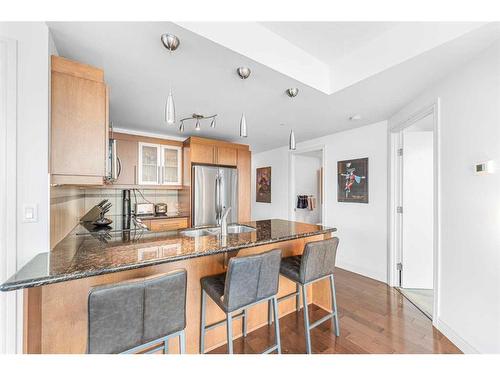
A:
(291, 180)
(395, 195)
(10, 302)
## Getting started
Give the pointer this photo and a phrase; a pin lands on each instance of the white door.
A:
(171, 161)
(149, 164)
(417, 202)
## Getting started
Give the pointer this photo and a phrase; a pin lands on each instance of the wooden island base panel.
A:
(55, 316)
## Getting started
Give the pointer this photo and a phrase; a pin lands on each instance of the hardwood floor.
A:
(374, 318)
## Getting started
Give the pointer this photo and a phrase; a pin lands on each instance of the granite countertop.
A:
(79, 256)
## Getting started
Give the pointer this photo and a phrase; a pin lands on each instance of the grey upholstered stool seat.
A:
(248, 281)
(135, 315)
(214, 287)
(316, 263)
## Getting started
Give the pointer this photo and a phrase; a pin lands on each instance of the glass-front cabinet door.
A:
(171, 161)
(149, 163)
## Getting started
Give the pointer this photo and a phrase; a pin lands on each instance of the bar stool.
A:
(134, 315)
(316, 263)
(249, 280)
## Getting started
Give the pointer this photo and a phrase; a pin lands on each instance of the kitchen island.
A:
(56, 284)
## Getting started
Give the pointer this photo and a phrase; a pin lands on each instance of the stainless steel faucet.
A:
(223, 221)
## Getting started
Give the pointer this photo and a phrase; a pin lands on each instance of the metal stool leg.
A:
(297, 297)
(269, 313)
(202, 322)
(307, 330)
(277, 324)
(229, 321)
(244, 323)
(335, 317)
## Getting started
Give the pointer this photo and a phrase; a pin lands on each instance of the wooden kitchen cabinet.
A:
(203, 153)
(244, 185)
(147, 162)
(213, 154)
(79, 123)
(162, 225)
(226, 156)
(159, 164)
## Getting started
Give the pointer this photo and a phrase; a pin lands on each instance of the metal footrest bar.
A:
(229, 319)
(322, 320)
(271, 349)
(223, 321)
(162, 340)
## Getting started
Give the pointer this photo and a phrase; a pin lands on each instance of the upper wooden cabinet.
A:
(159, 164)
(201, 153)
(226, 156)
(79, 123)
(207, 151)
(148, 162)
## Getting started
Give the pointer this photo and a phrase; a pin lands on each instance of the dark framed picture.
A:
(352, 177)
(263, 182)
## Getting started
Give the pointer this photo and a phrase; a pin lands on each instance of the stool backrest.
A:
(252, 278)
(318, 259)
(124, 315)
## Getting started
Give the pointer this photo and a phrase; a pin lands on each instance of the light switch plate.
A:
(485, 167)
(30, 213)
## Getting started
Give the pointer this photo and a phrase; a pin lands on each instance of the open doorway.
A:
(307, 186)
(414, 196)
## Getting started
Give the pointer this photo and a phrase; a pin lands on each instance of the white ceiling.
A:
(329, 41)
(331, 56)
(140, 72)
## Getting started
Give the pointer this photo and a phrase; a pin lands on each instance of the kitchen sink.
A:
(214, 231)
(237, 228)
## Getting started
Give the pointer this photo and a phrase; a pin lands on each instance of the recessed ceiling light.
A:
(355, 117)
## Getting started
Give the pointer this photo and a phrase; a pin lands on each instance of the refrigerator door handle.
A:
(217, 199)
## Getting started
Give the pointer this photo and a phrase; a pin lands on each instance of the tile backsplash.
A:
(114, 196)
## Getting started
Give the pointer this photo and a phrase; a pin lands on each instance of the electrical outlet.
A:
(30, 213)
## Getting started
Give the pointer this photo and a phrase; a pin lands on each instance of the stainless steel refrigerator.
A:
(215, 188)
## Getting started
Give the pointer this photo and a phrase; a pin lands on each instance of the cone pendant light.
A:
(291, 141)
(243, 73)
(170, 109)
(170, 42)
(292, 93)
(243, 126)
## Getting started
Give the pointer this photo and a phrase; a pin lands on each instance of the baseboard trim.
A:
(363, 272)
(455, 338)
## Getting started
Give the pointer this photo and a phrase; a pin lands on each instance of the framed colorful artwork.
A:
(263, 182)
(352, 177)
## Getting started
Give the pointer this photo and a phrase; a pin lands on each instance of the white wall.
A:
(32, 133)
(362, 228)
(32, 40)
(469, 307)
(277, 159)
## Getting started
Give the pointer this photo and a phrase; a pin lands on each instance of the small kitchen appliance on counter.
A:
(161, 209)
(144, 209)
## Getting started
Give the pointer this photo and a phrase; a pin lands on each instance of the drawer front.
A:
(161, 225)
